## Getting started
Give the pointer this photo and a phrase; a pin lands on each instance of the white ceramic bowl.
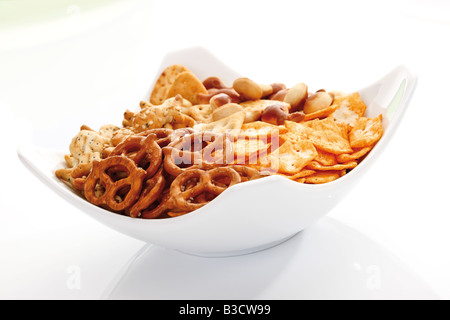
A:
(248, 216)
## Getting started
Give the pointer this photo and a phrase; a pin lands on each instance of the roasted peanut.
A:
(267, 90)
(248, 89)
(219, 100)
(214, 83)
(296, 96)
(205, 98)
(318, 101)
(275, 114)
(279, 95)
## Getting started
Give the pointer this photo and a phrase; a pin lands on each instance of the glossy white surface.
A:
(246, 210)
(329, 260)
(58, 75)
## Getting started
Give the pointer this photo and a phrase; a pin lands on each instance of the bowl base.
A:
(224, 254)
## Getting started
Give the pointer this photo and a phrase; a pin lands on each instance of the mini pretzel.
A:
(129, 187)
(150, 193)
(163, 135)
(205, 183)
(187, 186)
(247, 173)
(145, 149)
(198, 150)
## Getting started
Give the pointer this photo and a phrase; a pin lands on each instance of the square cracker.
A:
(349, 108)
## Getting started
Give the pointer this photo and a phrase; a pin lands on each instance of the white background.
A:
(88, 66)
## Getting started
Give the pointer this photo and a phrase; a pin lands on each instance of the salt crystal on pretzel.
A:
(130, 185)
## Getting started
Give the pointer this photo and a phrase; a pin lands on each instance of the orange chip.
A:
(261, 130)
(294, 157)
(358, 153)
(314, 165)
(329, 141)
(320, 113)
(366, 132)
(328, 124)
(349, 108)
(324, 177)
(302, 174)
(324, 134)
(325, 158)
(245, 149)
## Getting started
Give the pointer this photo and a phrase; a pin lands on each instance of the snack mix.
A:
(193, 139)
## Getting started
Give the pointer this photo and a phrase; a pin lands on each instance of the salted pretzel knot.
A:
(205, 150)
(119, 194)
(150, 193)
(144, 151)
(190, 184)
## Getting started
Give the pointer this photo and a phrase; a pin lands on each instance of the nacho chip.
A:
(366, 132)
(164, 82)
(187, 85)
